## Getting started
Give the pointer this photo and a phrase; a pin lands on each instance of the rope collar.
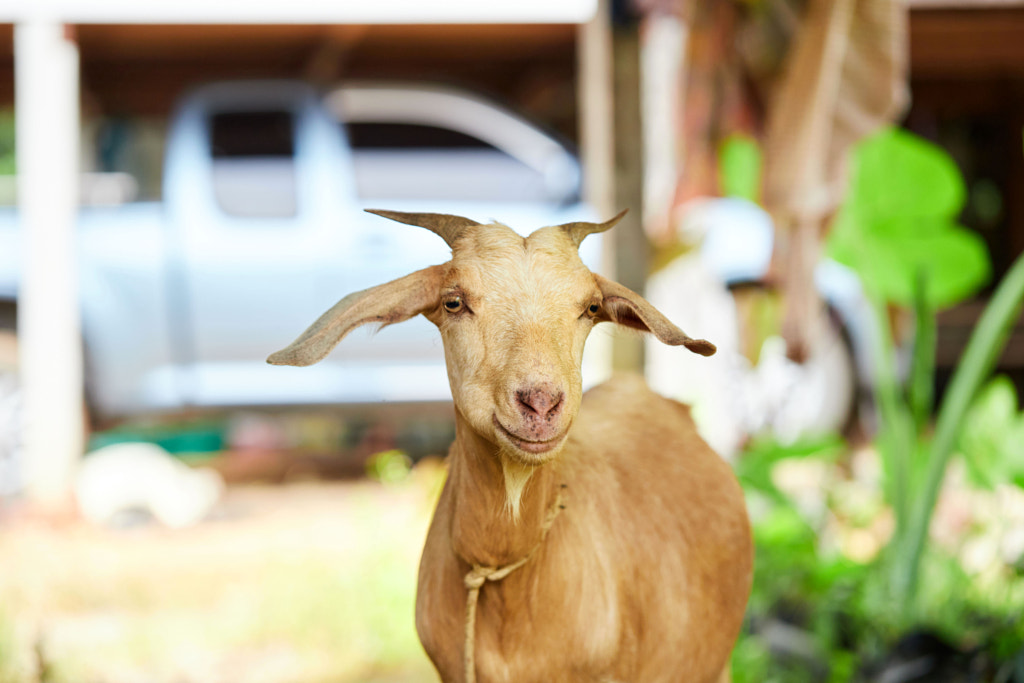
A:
(481, 574)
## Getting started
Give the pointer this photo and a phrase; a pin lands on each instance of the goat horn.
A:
(448, 227)
(577, 231)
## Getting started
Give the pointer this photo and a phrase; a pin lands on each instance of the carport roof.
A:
(139, 69)
(300, 11)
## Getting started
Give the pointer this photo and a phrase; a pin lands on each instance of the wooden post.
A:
(630, 241)
(47, 138)
(595, 97)
(611, 148)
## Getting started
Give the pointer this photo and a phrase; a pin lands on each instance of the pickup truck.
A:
(261, 228)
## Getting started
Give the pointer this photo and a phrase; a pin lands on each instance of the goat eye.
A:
(453, 305)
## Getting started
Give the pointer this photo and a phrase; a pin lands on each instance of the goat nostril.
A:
(540, 402)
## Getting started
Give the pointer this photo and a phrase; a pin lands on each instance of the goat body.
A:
(644, 573)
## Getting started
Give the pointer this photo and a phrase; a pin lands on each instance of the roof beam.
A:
(302, 12)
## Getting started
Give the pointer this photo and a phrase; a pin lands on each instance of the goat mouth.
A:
(535, 447)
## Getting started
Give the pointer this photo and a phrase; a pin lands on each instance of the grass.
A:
(299, 583)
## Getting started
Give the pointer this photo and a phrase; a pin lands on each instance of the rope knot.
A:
(477, 576)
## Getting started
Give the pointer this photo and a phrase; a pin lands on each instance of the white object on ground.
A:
(142, 476)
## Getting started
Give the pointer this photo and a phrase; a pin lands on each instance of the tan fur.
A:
(645, 574)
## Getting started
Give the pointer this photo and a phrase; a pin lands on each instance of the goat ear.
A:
(385, 304)
(626, 307)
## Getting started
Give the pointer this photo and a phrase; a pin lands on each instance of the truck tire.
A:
(823, 393)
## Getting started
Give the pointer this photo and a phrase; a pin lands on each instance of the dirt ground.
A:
(302, 582)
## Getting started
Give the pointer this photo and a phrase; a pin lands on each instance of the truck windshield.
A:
(254, 163)
(419, 161)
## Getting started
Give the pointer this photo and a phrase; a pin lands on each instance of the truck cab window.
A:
(418, 161)
(254, 163)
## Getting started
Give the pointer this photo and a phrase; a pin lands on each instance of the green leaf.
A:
(897, 173)
(991, 427)
(7, 157)
(979, 358)
(739, 168)
(897, 433)
(921, 383)
(899, 223)
(954, 260)
(828, 446)
(784, 528)
(754, 468)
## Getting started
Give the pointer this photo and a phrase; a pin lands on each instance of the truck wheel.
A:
(813, 397)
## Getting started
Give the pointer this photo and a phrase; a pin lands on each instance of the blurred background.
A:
(832, 191)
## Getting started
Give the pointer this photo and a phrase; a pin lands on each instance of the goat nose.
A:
(540, 401)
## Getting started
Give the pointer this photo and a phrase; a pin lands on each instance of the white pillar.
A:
(47, 121)
(663, 89)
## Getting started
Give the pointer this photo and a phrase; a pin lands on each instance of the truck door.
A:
(255, 191)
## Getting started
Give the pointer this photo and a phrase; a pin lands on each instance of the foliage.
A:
(739, 168)
(389, 467)
(796, 583)
(897, 231)
(7, 142)
(992, 438)
(898, 224)
(835, 612)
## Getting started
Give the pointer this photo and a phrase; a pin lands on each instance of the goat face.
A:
(514, 314)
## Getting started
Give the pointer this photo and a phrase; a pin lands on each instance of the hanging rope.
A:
(481, 574)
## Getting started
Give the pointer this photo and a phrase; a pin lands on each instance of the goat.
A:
(616, 542)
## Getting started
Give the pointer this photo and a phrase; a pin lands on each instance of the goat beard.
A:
(517, 475)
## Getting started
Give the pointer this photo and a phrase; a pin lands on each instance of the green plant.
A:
(798, 581)
(388, 467)
(992, 438)
(7, 166)
(897, 229)
(840, 609)
(739, 167)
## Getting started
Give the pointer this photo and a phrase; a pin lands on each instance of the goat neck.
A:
(483, 531)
